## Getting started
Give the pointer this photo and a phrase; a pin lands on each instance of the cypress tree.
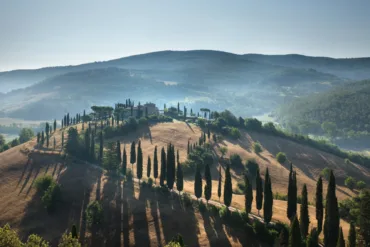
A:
(267, 205)
(148, 167)
(62, 139)
(219, 184)
(198, 183)
(208, 186)
(180, 178)
(295, 239)
(92, 147)
(228, 187)
(259, 191)
(341, 242)
(331, 224)
(55, 124)
(248, 194)
(118, 151)
(139, 164)
(188, 147)
(42, 138)
(304, 217)
(319, 205)
(87, 142)
(74, 231)
(284, 237)
(124, 161)
(364, 217)
(292, 195)
(54, 143)
(352, 235)
(170, 166)
(178, 108)
(38, 137)
(47, 132)
(68, 120)
(101, 147)
(313, 238)
(132, 155)
(155, 164)
(163, 167)
(209, 135)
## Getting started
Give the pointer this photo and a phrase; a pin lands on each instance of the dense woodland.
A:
(90, 144)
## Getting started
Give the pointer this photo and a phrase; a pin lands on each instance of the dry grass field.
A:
(146, 218)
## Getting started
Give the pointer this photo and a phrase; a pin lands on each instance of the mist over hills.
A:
(248, 85)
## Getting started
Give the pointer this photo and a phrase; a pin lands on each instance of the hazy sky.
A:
(36, 33)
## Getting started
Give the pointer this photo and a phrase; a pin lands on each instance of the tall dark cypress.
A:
(319, 205)
(248, 194)
(148, 167)
(118, 152)
(188, 147)
(155, 164)
(74, 232)
(219, 184)
(304, 217)
(364, 217)
(170, 166)
(87, 143)
(38, 137)
(47, 134)
(259, 191)
(341, 242)
(42, 138)
(101, 147)
(313, 238)
(209, 134)
(92, 148)
(268, 203)
(198, 183)
(55, 125)
(352, 235)
(124, 161)
(228, 187)
(292, 195)
(295, 239)
(331, 224)
(179, 178)
(139, 162)
(208, 186)
(132, 155)
(284, 237)
(163, 167)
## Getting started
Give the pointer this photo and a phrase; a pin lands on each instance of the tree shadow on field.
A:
(214, 230)
(29, 161)
(127, 199)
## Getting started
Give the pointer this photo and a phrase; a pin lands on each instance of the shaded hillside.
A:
(351, 68)
(347, 106)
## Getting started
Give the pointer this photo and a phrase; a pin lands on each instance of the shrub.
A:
(213, 209)
(43, 183)
(51, 197)
(257, 147)
(281, 157)
(360, 185)
(9, 237)
(143, 121)
(236, 161)
(263, 233)
(68, 241)
(347, 161)
(186, 198)
(202, 206)
(150, 182)
(235, 133)
(350, 182)
(94, 213)
(129, 175)
(224, 212)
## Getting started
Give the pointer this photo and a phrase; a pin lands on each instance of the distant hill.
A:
(213, 79)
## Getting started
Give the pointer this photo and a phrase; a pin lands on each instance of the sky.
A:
(40, 33)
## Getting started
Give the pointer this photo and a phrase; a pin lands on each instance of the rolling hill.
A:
(134, 216)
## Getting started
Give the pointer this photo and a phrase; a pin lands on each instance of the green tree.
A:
(198, 183)
(223, 151)
(35, 241)
(101, 146)
(292, 195)
(110, 160)
(360, 185)
(74, 232)
(248, 194)
(38, 138)
(208, 186)
(284, 237)
(304, 216)
(341, 242)
(92, 147)
(55, 125)
(148, 167)
(124, 161)
(364, 222)
(62, 139)
(228, 187)
(25, 135)
(42, 138)
(268, 203)
(54, 144)
(319, 205)
(72, 146)
(219, 184)
(118, 152)
(163, 167)
(132, 155)
(180, 178)
(257, 147)
(259, 191)
(155, 164)
(139, 162)
(326, 173)
(329, 128)
(313, 238)
(350, 182)
(281, 157)
(295, 239)
(87, 142)
(69, 241)
(331, 224)
(352, 235)
(171, 166)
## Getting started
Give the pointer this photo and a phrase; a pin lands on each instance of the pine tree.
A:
(304, 217)
(148, 167)
(352, 235)
(228, 187)
(163, 167)
(259, 191)
(180, 178)
(319, 205)
(292, 195)
(313, 238)
(219, 184)
(268, 203)
(132, 155)
(118, 151)
(331, 224)
(155, 165)
(295, 239)
(341, 242)
(101, 147)
(364, 217)
(124, 161)
(248, 194)
(139, 162)
(74, 231)
(198, 183)
(208, 186)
